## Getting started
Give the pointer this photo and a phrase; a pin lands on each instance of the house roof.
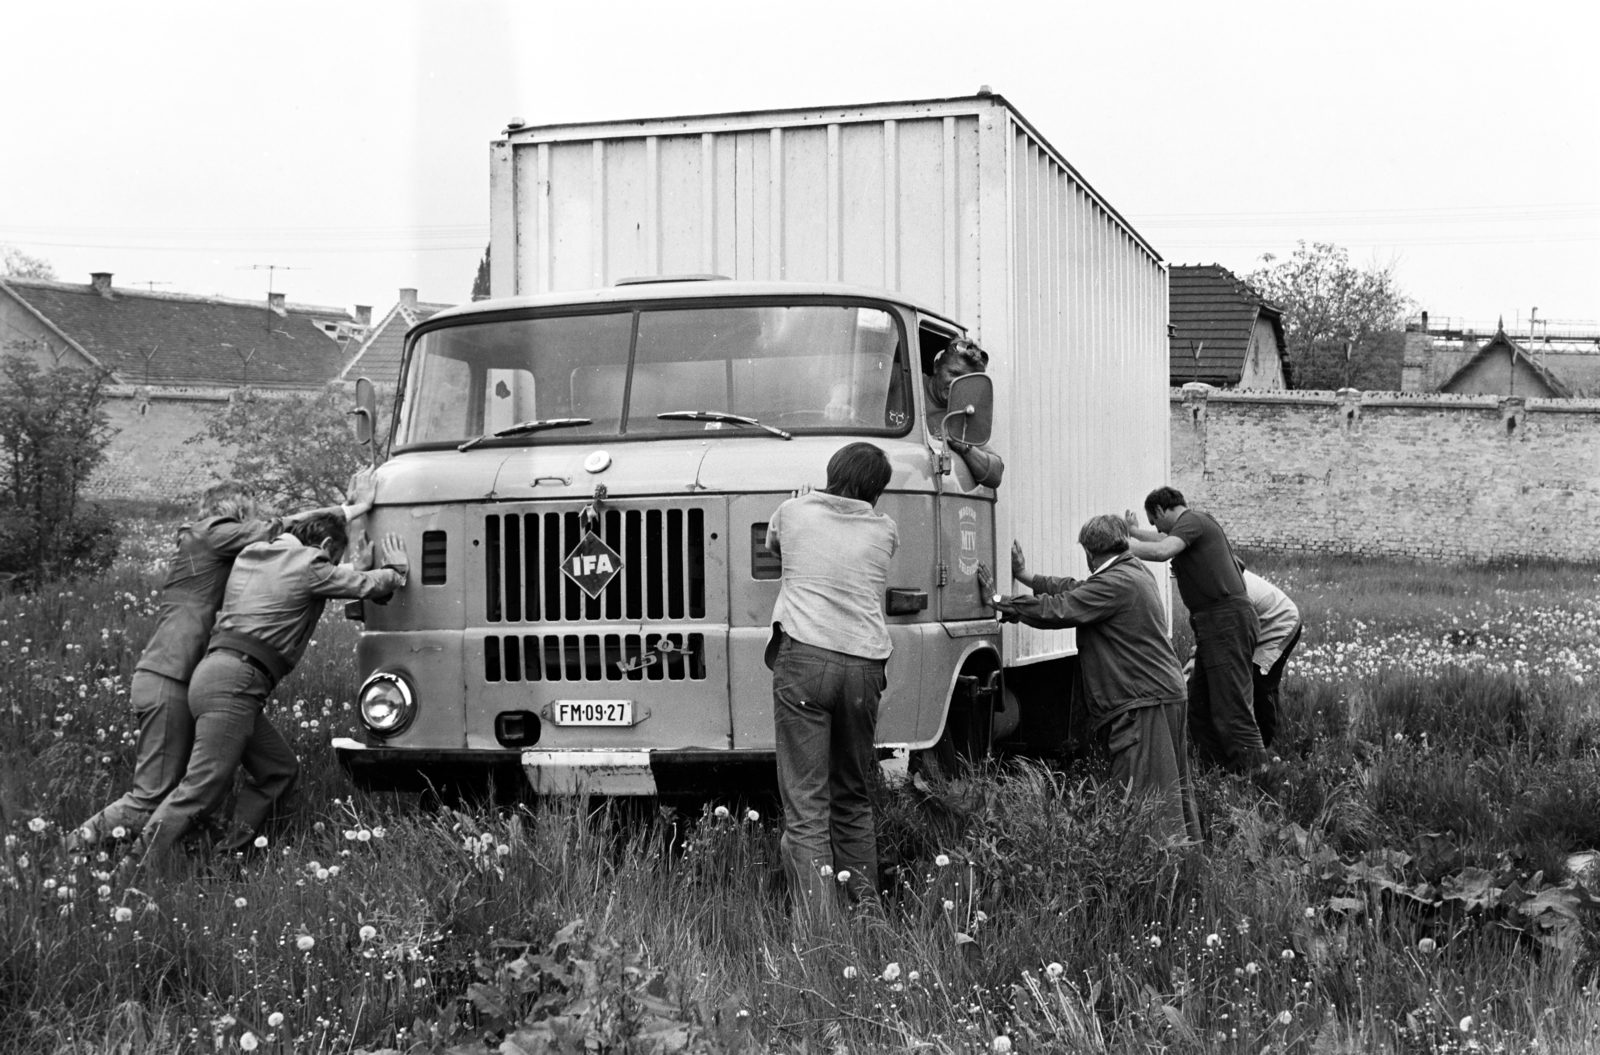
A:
(177, 339)
(1500, 344)
(1214, 312)
(379, 356)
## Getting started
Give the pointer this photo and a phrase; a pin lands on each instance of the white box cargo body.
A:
(958, 203)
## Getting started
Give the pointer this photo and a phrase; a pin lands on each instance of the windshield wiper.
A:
(523, 428)
(717, 415)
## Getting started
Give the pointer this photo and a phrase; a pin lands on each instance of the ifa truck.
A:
(688, 317)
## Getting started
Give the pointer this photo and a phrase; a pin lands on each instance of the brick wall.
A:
(149, 458)
(1432, 477)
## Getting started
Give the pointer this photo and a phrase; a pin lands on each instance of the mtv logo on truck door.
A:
(967, 525)
(592, 564)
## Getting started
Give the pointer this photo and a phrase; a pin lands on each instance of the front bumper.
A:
(693, 771)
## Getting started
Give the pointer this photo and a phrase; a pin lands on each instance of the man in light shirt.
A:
(829, 647)
(1280, 632)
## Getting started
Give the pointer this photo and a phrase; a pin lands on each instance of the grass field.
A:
(1403, 882)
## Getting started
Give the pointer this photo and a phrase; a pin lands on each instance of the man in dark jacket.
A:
(274, 599)
(197, 573)
(1132, 683)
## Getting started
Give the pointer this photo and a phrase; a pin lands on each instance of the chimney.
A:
(1424, 322)
(408, 299)
(275, 301)
(101, 280)
(364, 314)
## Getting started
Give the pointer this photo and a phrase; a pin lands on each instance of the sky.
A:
(182, 146)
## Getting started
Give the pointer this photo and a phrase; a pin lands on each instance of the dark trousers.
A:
(1222, 719)
(1150, 758)
(227, 699)
(1266, 690)
(825, 709)
(161, 707)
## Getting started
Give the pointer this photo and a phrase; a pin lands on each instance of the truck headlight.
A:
(387, 704)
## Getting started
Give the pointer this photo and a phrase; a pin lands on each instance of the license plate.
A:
(593, 712)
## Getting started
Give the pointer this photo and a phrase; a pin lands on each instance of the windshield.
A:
(802, 368)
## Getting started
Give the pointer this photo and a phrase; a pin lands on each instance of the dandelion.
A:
(365, 836)
(368, 932)
(891, 973)
(323, 873)
(275, 1019)
(825, 871)
(1426, 946)
(1287, 954)
(720, 813)
(942, 861)
(38, 824)
(49, 884)
(752, 816)
(850, 972)
(1311, 913)
(305, 942)
(1285, 1017)
(380, 832)
(333, 870)
(949, 906)
(350, 834)
(1213, 941)
(1155, 941)
(1054, 971)
(119, 832)
(240, 902)
(502, 850)
(261, 842)
(1466, 1024)
(248, 1041)
(843, 876)
(1252, 968)
(1001, 1044)
(914, 977)
(122, 914)
(420, 983)
(104, 891)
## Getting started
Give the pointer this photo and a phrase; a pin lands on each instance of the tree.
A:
(1335, 316)
(18, 264)
(53, 434)
(296, 450)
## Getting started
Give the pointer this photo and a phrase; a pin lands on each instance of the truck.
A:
(687, 317)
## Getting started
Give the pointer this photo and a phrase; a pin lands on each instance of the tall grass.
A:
(1325, 912)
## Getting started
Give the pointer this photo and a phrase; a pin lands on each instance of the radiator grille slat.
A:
(594, 658)
(663, 567)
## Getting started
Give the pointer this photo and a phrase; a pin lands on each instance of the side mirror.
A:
(366, 411)
(970, 418)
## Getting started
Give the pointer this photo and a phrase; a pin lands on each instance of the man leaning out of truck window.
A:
(956, 359)
(197, 573)
(828, 651)
(1131, 679)
(274, 600)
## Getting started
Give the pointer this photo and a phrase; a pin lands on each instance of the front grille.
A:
(663, 566)
(594, 657)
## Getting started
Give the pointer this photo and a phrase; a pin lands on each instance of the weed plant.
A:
(1402, 881)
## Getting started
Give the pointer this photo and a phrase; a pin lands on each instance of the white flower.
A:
(825, 870)
(891, 972)
(1155, 941)
(752, 816)
(1252, 968)
(503, 850)
(119, 832)
(949, 906)
(38, 824)
(261, 842)
(333, 870)
(1213, 941)
(980, 916)
(240, 902)
(849, 972)
(304, 942)
(350, 833)
(942, 860)
(914, 976)
(323, 873)
(1001, 1044)
(843, 875)
(122, 914)
(1426, 946)
(104, 891)
(378, 833)
(275, 1019)
(49, 884)
(1311, 913)
(368, 932)
(420, 983)
(1285, 1017)
(365, 836)
(248, 1041)
(1054, 971)
(720, 812)
(1466, 1024)
(1287, 954)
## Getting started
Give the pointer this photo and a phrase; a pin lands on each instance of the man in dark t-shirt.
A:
(1221, 717)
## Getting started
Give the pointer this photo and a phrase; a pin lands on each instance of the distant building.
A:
(1223, 332)
(171, 361)
(1453, 355)
(378, 358)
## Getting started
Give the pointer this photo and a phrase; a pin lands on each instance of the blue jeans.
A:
(825, 709)
(227, 699)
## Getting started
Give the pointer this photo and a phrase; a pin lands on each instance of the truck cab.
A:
(586, 480)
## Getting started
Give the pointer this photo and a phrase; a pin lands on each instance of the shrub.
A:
(53, 434)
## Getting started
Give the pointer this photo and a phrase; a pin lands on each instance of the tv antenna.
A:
(152, 283)
(272, 273)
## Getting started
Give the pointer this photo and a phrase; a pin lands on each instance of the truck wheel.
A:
(969, 721)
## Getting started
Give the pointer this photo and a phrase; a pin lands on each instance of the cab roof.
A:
(670, 289)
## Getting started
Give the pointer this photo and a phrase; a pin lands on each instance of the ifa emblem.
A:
(592, 564)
